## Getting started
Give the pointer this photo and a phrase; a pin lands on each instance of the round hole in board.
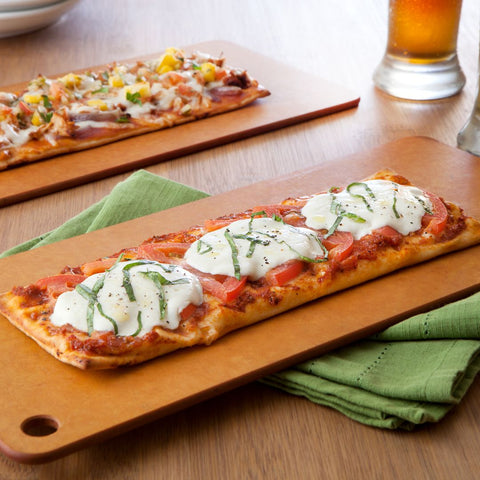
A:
(39, 426)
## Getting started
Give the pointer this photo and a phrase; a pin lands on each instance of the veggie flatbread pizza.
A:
(83, 110)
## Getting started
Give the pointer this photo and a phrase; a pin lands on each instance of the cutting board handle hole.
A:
(39, 426)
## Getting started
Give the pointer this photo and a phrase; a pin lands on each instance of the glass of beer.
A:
(420, 62)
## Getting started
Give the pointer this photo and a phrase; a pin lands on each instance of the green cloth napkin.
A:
(412, 373)
(140, 194)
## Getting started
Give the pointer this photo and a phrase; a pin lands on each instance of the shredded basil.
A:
(334, 226)
(361, 197)
(159, 281)
(46, 117)
(124, 118)
(394, 204)
(126, 284)
(424, 205)
(254, 241)
(140, 326)
(134, 98)
(203, 247)
(90, 294)
(233, 247)
(46, 102)
(261, 213)
(337, 209)
(110, 319)
(101, 90)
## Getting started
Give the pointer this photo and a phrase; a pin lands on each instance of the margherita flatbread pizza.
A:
(191, 287)
(79, 111)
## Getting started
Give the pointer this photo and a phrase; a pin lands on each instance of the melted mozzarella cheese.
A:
(364, 207)
(253, 247)
(111, 305)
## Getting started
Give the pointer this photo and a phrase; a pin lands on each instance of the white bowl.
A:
(16, 5)
(24, 21)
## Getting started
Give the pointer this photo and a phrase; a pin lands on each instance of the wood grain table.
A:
(253, 431)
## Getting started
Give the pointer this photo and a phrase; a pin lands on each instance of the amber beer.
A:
(423, 31)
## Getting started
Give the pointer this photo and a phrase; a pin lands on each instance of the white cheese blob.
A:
(366, 206)
(155, 287)
(253, 247)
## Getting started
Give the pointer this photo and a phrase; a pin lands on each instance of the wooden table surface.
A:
(254, 431)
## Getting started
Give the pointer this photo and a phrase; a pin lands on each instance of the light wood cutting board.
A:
(87, 407)
(288, 104)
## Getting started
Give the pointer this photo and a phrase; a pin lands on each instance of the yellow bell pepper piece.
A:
(36, 119)
(71, 80)
(96, 102)
(115, 81)
(208, 71)
(143, 88)
(32, 97)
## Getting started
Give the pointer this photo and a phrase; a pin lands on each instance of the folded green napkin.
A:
(412, 373)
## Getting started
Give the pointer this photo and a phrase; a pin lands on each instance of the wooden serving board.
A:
(287, 104)
(82, 407)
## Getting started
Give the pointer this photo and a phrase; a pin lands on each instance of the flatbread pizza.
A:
(78, 111)
(194, 286)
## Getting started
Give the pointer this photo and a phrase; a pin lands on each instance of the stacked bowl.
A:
(23, 16)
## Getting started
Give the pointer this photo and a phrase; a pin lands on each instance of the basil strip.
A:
(159, 281)
(394, 205)
(140, 326)
(302, 257)
(254, 241)
(46, 101)
(88, 294)
(207, 248)
(361, 197)
(134, 98)
(423, 204)
(91, 296)
(334, 227)
(261, 213)
(119, 259)
(337, 209)
(127, 284)
(233, 247)
(110, 319)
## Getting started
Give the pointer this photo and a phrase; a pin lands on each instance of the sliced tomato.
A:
(223, 287)
(162, 251)
(216, 223)
(270, 210)
(436, 222)
(339, 245)
(390, 234)
(25, 108)
(98, 266)
(188, 311)
(58, 284)
(282, 274)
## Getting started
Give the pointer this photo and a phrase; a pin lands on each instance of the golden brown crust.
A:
(29, 308)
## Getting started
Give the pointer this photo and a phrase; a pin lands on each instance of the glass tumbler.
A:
(420, 62)
(469, 136)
